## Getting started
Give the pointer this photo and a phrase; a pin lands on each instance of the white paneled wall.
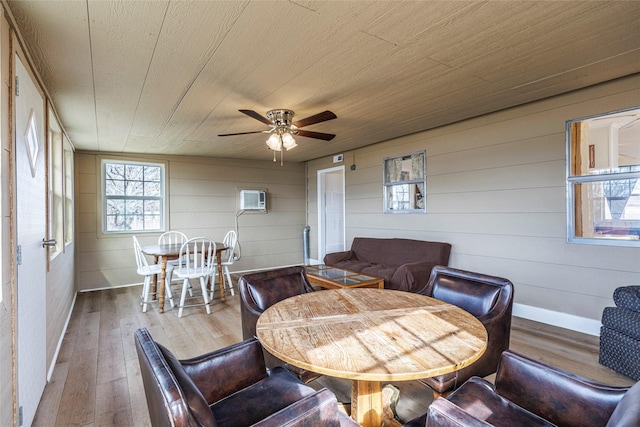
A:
(496, 192)
(202, 202)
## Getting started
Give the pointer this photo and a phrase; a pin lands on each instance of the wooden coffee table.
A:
(371, 336)
(335, 278)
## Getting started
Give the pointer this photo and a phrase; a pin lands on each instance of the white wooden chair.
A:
(196, 261)
(229, 256)
(149, 271)
(169, 238)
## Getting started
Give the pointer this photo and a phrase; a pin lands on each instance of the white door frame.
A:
(322, 228)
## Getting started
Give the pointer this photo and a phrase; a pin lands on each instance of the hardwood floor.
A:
(96, 380)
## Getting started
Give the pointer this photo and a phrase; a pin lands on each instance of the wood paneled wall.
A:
(202, 202)
(496, 192)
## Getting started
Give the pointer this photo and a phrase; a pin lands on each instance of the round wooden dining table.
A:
(369, 336)
(166, 252)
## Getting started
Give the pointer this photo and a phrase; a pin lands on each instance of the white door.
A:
(31, 229)
(331, 234)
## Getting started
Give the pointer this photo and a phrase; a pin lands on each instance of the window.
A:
(133, 196)
(603, 179)
(68, 192)
(404, 183)
(56, 186)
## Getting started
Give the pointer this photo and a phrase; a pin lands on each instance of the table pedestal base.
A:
(366, 403)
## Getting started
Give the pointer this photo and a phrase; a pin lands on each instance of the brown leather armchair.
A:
(532, 393)
(229, 387)
(490, 299)
(259, 291)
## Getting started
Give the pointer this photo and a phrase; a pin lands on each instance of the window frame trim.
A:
(101, 160)
(385, 184)
(572, 180)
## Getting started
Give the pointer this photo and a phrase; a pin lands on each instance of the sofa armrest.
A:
(335, 257)
(443, 413)
(412, 276)
(318, 409)
(211, 371)
(555, 394)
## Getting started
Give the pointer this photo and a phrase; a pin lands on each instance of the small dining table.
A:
(369, 336)
(167, 252)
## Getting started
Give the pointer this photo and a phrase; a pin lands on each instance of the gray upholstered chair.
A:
(490, 299)
(259, 291)
(620, 332)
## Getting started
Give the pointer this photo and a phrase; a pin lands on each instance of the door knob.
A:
(50, 242)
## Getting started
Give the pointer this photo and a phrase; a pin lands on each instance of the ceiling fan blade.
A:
(316, 118)
(256, 116)
(316, 135)
(243, 133)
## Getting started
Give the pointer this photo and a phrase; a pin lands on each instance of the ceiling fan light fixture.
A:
(274, 142)
(288, 141)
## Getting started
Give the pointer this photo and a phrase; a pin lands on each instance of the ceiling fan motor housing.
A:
(280, 117)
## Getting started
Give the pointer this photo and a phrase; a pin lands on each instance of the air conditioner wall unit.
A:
(253, 200)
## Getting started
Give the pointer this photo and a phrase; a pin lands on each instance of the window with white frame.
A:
(405, 183)
(68, 192)
(56, 186)
(133, 196)
(603, 179)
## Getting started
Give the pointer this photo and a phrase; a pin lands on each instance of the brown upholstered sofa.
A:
(229, 387)
(404, 264)
(532, 393)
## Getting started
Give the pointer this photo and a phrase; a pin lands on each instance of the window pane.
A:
(114, 188)
(114, 171)
(152, 173)
(152, 207)
(134, 172)
(606, 144)
(134, 188)
(134, 207)
(152, 189)
(152, 222)
(607, 209)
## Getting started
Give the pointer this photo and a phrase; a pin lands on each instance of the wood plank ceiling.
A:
(168, 76)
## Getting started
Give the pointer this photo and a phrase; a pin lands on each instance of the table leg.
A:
(220, 276)
(154, 280)
(161, 290)
(366, 403)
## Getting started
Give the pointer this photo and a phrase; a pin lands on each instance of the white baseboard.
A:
(556, 318)
(59, 346)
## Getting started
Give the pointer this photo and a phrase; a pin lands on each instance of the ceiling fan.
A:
(282, 128)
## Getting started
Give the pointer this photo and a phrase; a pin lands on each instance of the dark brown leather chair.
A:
(490, 299)
(230, 387)
(259, 291)
(531, 393)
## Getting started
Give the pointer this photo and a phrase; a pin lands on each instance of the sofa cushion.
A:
(274, 393)
(622, 320)
(197, 404)
(627, 297)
